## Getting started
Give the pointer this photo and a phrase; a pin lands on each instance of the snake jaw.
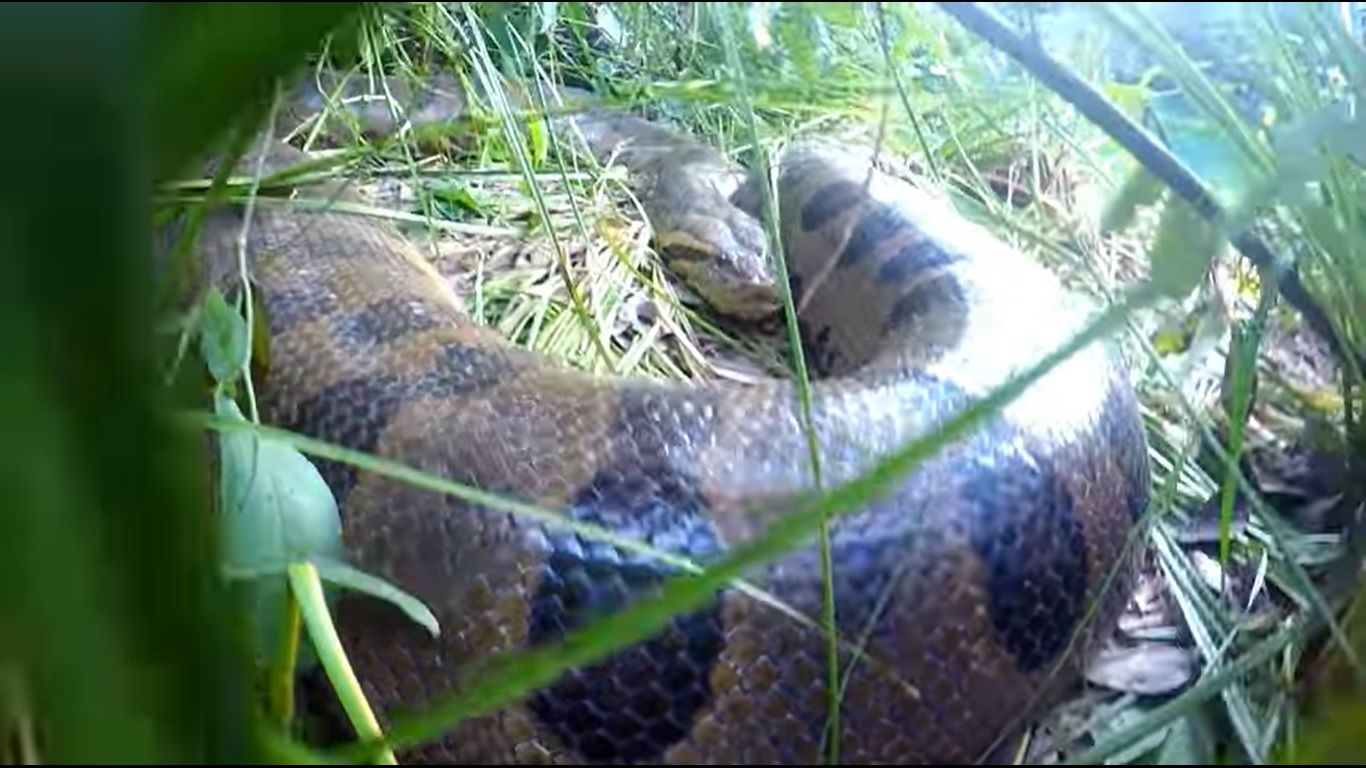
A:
(734, 278)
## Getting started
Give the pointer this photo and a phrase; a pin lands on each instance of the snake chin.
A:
(734, 292)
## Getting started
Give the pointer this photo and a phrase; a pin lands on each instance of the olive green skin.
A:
(970, 579)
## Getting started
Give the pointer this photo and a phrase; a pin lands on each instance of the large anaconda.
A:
(968, 580)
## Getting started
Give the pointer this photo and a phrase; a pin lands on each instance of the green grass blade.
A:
(308, 591)
(492, 85)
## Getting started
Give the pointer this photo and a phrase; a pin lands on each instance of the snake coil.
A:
(964, 584)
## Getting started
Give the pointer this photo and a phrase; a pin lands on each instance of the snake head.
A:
(722, 254)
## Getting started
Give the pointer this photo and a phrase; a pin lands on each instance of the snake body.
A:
(965, 583)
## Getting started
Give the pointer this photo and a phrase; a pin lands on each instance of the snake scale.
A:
(967, 581)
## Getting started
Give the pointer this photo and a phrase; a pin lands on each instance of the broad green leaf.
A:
(277, 506)
(344, 575)
(276, 509)
(222, 339)
(1186, 244)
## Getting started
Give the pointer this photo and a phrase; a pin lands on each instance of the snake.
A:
(966, 591)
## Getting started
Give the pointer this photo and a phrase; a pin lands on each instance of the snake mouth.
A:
(754, 304)
(737, 296)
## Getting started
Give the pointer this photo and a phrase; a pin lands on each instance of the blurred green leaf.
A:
(1334, 736)
(209, 61)
(114, 607)
(1140, 188)
(1185, 247)
(223, 338)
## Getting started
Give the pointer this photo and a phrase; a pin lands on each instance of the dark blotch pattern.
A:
(912, 260)
(356, 412)
(386, 320)
(872, 230)
(636, 704)
(896, 269)
(828, 203)
(821, 356)
(461, 368)
(941, 303)
(288, 309)
(870, 553)
(1025, 529)
(351, 414)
